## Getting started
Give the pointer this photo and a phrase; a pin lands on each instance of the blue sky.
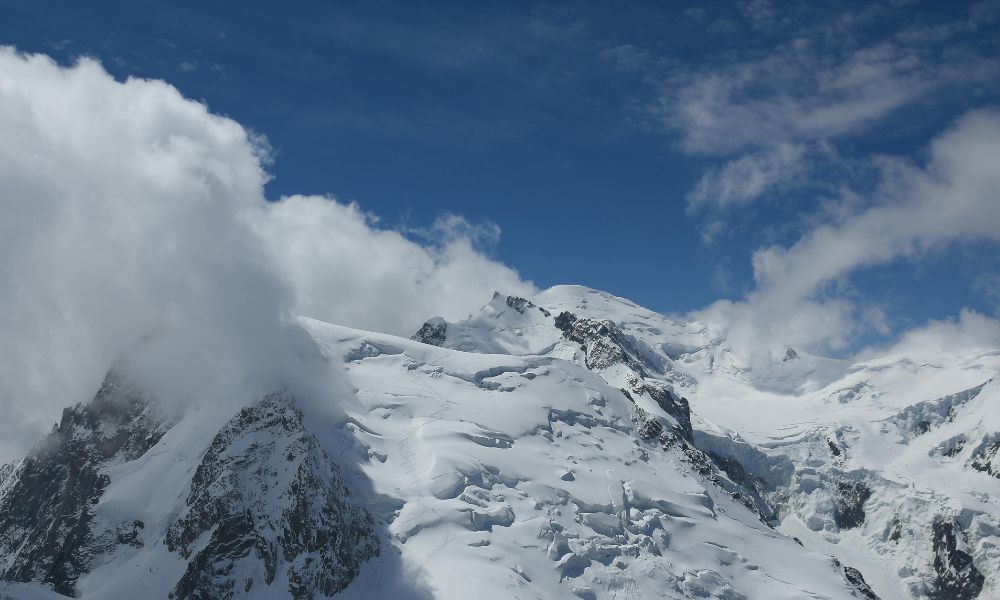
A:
(652, 151)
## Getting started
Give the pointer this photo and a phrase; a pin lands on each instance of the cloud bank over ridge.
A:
(136, 231)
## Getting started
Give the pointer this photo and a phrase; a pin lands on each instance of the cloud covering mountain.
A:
(136, 229)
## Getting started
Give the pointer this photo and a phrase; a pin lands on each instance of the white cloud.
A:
(774, 121)
(796, 93)
(133, 230)
(743, 180)
(969, 332)
(123, 239)
(345, 270)
(954, 198)
(774, 116)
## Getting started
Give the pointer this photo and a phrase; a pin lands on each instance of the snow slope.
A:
(570, 445)
(884, 463)
(524, 476)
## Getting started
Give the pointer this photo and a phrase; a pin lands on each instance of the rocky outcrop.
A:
(522, 304)
(605, 344)
(957, 578)
(46, 513)
(857, 581)
(672, 404)
(986, 458)
(433, 332)
(850, 503)
(268, 504)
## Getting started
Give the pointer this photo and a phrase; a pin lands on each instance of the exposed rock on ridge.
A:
(46, 513)
(267, 504)
(433, 332)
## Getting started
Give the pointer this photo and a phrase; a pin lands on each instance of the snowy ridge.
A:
(540, 484)
(570, 445)
(858, 460)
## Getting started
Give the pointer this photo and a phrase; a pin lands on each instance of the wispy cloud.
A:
(776, 116)
(744, 179)
(798, 93)
(916, 209)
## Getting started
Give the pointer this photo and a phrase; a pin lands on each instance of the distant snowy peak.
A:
(545, 323)
(505, 325)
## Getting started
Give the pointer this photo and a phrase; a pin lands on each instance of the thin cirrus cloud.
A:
(137, 234)
(766, 117)
(796, 93)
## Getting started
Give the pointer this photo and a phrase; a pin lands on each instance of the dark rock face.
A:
(564, 322)
(267, 503)
(858, 582)
(46, 511)
(834, 448)
(750, 489)
(957, 576)
(987, 459)
(743, 487)
(895, 531)
(605, 344)
(673, 405)
(735, 471)
(730, 476)
(432, 332)
(646, 425)
(522, 304)
(956, 445)
(850, 503)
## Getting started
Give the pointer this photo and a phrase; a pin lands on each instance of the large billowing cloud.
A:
(135, 230)
(917, 209)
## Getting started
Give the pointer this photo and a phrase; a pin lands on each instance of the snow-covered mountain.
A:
(570, 445)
